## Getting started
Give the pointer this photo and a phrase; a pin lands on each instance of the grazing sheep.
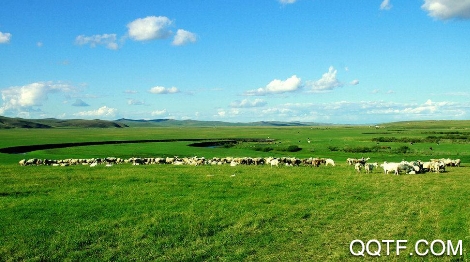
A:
(329, 161)
(358, 167)
(274, 162)
(370, 166)
(390, 167)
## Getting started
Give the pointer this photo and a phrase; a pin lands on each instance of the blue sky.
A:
(343, 61)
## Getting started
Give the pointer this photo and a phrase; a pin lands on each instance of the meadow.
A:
(242, 213)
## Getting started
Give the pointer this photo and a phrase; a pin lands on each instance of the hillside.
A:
(7, 122)
(197, 123)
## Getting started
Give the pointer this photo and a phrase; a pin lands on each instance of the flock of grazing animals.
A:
(408, 167)
(413, 167)
(193, 161)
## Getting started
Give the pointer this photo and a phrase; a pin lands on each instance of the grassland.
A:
(251, 213)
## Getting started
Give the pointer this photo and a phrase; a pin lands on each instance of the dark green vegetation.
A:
(187, 213)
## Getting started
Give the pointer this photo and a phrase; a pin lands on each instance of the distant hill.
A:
(7, 122)
(194, 123)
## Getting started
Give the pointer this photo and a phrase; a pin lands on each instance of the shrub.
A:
(293, 148)
(333, 148)
(263, 148)
(401, 150)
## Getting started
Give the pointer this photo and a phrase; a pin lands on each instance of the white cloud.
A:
(128, 91)
(39, 44)
(159, 112)
(5, 38)
(24, 98)
(134, 102)
(447, 9)
(221, 113)
(354, 82)
(245, 103)
(327, 82)
(385, 5)
(108, 40)
(103, 111)
(285, 2)
(149, 28)
(163, 90)
(183, 37)
(278, 87)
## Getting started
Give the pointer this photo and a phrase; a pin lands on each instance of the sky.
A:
(340, 62)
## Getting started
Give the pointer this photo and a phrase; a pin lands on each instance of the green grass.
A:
(183, 213)
(207, 213)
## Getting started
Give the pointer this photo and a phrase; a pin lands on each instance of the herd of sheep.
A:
(413, 167)
(193, 161)
(408, 167)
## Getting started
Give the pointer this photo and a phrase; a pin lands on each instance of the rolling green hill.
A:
(7, 122)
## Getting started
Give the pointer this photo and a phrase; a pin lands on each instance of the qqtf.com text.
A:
(422, 247)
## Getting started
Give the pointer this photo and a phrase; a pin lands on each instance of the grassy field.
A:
(251, 213)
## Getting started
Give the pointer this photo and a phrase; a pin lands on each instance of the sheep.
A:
(358, 167)
(274, 162)
(390, 167)
(438, 167)
(353, 161)
(329, 161)
(370, 166)
(318, 161)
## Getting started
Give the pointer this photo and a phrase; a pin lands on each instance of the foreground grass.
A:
(183, 213)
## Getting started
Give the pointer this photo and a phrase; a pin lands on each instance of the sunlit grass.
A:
(257, 213)
(221, 213)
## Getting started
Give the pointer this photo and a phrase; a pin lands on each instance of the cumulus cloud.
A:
(103, 111)
(245, 103)
(134, 102)
(107, 40)
(5, 38)
(24, 98)
(149, 28)
(278, 87)
(385, 5)
(327, 82)
(447, 9)
(163, 90)
(79, 102)
(183, 37)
